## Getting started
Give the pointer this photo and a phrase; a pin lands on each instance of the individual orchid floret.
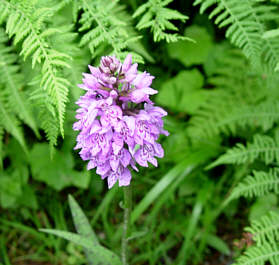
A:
(116, 131)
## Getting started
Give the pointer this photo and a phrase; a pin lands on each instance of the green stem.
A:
(127, 212)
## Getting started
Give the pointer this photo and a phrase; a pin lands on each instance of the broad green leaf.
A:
(101, 254)
(82, 226)
(19, 159)
(189, 53)
(11, 124)
(81, 222)
(217, 243)
(28, 197)
(183, 92)
(10, 189)
(57, 172)
(262, 206)
(215, 58)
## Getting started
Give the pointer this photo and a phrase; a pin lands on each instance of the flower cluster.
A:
(118, 123)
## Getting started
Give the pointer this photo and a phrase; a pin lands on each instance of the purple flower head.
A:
(116, 132)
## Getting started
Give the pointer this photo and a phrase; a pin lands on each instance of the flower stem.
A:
(127, 211)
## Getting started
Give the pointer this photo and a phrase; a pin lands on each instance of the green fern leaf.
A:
(260, 184)
(260, 255)
(13, 81)
(245, 22)
(263, 147)
(46, 115)
(242, 29)
(26, 24)
(157, 17)
(266, 229)
(229, 115)
(231, 105)
(10, 123)
(113, 27)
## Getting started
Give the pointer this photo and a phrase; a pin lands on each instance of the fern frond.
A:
(242, 29)
(245, 26)
(266, 229)
(260, 184)
(270, 47)
(259, 255)
(227, 117)
(80, 56)
(238, 101)
(46, 114)
(26, 24)
(12, 80)
(105, 23)
(9, 122)
(157, 17)
(263, 147)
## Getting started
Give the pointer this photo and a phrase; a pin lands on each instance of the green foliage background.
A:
(214, 197)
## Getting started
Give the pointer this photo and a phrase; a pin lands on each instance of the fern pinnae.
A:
(157, 17)
(265, 229)
(260, 184)
(263, 147)
(227, 117)
(33, 43)
(246, 25)
(242, 29)
(259, 255)
(270, 47)
(9, 122)
(109, 27)
(46, 114)
(12, 80)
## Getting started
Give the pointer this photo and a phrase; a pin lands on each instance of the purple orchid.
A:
(115, 132)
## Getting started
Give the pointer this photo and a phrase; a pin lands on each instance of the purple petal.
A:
(112, 178)
(159, 151)
(127, 63)
(149, 91)
(114, 162)
(153, 161)
(95, 127)
(141, 160)
(91, 164)
(131, 123)
(102, 169)
(125, 157)
(94, 70)
(125, 178)
(92, 114)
